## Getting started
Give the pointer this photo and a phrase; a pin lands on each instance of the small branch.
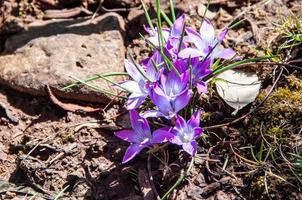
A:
(151, 177)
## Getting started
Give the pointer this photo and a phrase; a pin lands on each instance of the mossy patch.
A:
(281, 113)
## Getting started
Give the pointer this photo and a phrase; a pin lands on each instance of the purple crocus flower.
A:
(200, 69)
(175, 31)
(184, 133)
(170, 96)
(140, 137)
(206, 43)
(139, 86)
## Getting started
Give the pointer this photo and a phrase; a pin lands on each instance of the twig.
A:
(65, 13)
(151, 177)
(102, 8)
(8, 114)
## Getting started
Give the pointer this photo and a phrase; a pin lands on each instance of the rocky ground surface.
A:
(61, 141)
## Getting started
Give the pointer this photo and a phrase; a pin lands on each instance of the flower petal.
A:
(180, 124)
(197, 132)
(135, 100)
(132, 71)
(222, 35)
(195, 37)
(207, 31)
(190, 147)
(190, 52)
(194, 121)
(178, 26)
(160, 100)
(132, 151)
(127, 135)
(139, 125)
(182, 100)
(152, 113)
(225, 53)
(162, 135)
(130, 85)
(202, 87)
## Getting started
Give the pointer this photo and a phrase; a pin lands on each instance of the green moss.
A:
(280, 113)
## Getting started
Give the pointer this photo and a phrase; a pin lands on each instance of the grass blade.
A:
(159, 25)
(95, 77)
(233, 65)
(182, 37)
(170, 23)
(172, 10)
(147, 16)
(96, 88)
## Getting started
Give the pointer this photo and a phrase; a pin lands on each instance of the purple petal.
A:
(152, 113)
(127, 135)
(131, 86)
(226, 53)
(160, 100)
(162, 135)
(139, 125)
(135, 100)
(181, 65)
(190, 52)
(202, 87)
(180, 125)
(148, 30)
(132, 151)
(195, 119)
(207, 31)
(222, 35)
(182, 100)
(190, 148)
(197, 132)
(175, 140)
(132, 71)
(195, 37)
(178, 26)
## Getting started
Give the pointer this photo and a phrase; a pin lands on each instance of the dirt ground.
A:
(46, 150)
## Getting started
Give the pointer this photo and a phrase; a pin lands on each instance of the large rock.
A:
(50, 52)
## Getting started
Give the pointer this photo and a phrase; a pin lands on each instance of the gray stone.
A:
(49, 52)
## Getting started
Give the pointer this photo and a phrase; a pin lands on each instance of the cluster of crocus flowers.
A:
(167, 80)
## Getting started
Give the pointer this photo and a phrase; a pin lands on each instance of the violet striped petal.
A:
(190, 53)
(195, 37)
(178, 26)
(207, 31)
(132, 71)
(130, 85)
(190, 147)
(152, 113)
(225, 53)
(197, 132)
(135, 100)
(140, 125)
(161, 135)
(132, 151)
(127, 135)
(202, 87)
(194, 121)
(182, 100)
